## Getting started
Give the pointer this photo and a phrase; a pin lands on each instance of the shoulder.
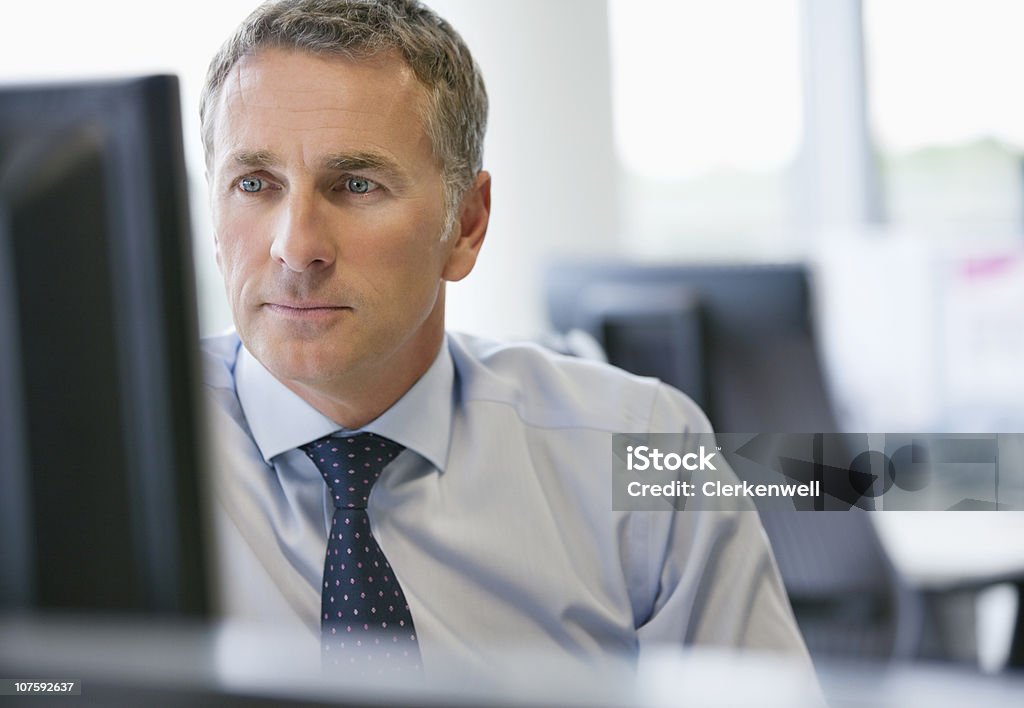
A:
(218, 356)
(553, 390)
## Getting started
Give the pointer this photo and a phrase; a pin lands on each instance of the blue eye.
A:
(358, 185)
(251, 184)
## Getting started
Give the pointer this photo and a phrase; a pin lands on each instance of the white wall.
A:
(549, 147)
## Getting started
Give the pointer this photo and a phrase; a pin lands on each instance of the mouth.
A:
(305, 310)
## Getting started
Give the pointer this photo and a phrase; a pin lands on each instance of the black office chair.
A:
(643, 327)
(739, 340)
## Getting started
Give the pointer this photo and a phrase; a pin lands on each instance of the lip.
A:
(305, 310)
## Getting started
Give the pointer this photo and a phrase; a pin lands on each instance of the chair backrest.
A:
(651, 329)
(737, 339)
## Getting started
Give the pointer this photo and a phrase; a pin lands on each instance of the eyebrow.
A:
(254, 158)
(345, 162)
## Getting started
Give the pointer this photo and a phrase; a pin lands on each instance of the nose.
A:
(302, 239)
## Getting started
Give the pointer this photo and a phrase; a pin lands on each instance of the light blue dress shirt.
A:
(497, 519)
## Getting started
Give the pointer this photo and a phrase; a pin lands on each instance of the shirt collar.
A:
(280, 420)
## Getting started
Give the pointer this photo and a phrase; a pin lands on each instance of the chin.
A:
(309, 363)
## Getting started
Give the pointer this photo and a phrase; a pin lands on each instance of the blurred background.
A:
(879, 142)
(875, 148)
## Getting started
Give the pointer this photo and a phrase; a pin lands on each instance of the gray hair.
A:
(455, 115)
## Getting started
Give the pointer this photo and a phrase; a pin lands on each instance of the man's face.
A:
(328, 209)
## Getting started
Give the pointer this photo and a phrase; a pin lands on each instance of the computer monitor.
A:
(737, 338)
(100, 454)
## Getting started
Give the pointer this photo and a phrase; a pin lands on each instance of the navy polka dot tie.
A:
(364, 617)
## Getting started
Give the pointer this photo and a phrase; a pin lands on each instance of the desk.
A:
(126, 665)
(948, 550)
(917, 686)
(953, 551)
(170, 663)
(158, 663)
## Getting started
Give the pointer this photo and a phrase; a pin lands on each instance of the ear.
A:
(468, 235)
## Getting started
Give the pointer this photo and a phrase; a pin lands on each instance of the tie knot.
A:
(350, 466)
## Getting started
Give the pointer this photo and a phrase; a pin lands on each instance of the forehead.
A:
(286, 100)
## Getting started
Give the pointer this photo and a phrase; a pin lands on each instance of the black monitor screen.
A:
(100, 459)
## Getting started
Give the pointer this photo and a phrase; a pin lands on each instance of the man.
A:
(344, 154)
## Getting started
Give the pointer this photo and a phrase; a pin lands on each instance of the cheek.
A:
(237, 243)
(398, 269)
(238, 266)
(407, 239)
(405, 270)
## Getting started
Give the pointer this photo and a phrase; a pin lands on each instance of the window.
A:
(947, 114)
(707, 112)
